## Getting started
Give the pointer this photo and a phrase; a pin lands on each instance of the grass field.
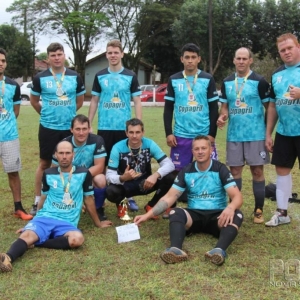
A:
(104, 269)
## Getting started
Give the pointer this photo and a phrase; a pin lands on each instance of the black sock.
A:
(18, 206)
(227, 235)
(259, 194)
(60, 242)
(17, 249)
(177, 234)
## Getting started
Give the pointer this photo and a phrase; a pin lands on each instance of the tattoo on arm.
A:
(160, 207)
(178, 195)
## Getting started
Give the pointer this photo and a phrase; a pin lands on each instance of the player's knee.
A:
(76, 239)
(99, 181)
(115, 193)
(177, 215)
(238, 218)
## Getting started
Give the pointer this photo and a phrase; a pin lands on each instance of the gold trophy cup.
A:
(126, 218)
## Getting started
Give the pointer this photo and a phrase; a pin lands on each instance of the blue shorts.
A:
(48, 228)
(182, 155)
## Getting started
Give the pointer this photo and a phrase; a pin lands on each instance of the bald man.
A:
(55, 224)
(245, 97)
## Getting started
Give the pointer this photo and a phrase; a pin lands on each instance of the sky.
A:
(42, 41)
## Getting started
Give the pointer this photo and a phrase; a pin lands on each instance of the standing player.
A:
(62, 92)
(90, 153)
(113, 89)
(245, 94)
(192, 98)
(285, 107)
(10, 99)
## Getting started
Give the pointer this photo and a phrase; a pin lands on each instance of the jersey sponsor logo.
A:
(278, 79)
(4, 116)
(192, 183)
(280, 102)
(60, 103)
(64, 206)
(203, 195)
(55, 184)
(113, 105)
(186, 109)
(241, 111)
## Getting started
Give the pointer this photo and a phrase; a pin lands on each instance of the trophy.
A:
(126, 218)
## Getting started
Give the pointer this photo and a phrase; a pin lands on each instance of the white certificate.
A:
(127, 233)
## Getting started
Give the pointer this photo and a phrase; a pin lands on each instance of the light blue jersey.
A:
(58, 107)
(288, 110)
(115, 89)
(55, 205)
(86, 154)
(246, 113)
(191, 114)
(8, 120)
(206, 190)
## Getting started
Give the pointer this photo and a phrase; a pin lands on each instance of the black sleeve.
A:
(213, 117)
(168, 116)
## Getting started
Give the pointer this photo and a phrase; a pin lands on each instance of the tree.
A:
(42, 56)
(138, 24)
(19, 49)
(82, 21)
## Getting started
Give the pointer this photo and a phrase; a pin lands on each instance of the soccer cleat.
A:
(121, 210)
(173, 255)
(5, 264)
(33, 210)
(147, 208)
(101, 214)
(216, 256)
(258, 216)
(132, 206)
(166, 213)
(22, 214)
(278, 219)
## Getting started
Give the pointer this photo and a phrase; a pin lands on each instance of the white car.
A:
(25, 90)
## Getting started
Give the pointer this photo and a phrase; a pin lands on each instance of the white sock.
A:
(283, 190)
(37, 199)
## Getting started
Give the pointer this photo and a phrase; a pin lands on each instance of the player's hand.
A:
(106, 223)
(140, 219)
(222, 121)
(150, 182)
(269, 143)
(171, 141)
(226, 217)
(130, 174)
(294, 92)
(19, 231)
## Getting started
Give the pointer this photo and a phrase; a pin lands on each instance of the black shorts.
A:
(207, 221)
(48, 139)
(111, 137)
(286, 150)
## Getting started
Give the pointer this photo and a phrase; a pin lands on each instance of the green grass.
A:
(104, 269)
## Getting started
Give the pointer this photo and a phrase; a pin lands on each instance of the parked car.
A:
(25, 90)
(160, 91)
(146, 87)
